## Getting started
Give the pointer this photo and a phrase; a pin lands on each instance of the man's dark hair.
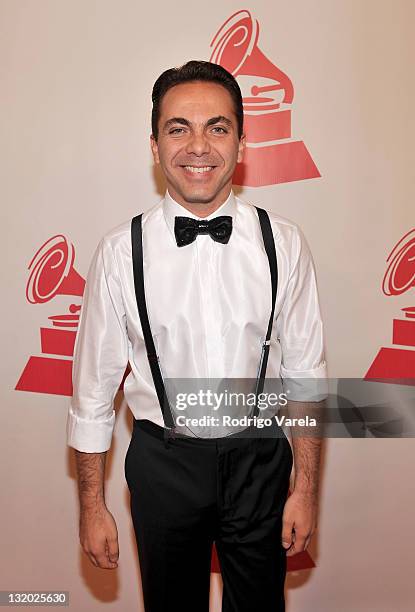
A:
(195, 71)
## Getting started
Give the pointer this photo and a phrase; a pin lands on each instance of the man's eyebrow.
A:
(211, 121)
(173, 120)
(219, 119)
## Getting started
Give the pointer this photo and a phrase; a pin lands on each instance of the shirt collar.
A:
(172, 209)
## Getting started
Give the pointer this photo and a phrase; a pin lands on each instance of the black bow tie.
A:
(186, 229)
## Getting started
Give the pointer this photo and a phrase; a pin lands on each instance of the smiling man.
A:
(196, 147)
(202, 286)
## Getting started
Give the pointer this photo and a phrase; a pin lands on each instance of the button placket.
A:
(209, 288)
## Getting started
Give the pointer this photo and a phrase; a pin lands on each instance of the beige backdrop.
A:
(76, 77)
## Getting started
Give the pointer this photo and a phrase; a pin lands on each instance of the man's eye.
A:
(221, 128)
(175, 130)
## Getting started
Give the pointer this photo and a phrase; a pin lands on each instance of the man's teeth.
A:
(196, 169)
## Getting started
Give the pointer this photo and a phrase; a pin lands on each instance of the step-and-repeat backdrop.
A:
(328, 89)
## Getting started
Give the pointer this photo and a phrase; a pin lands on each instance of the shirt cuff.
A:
(87, 435)
(305, 385)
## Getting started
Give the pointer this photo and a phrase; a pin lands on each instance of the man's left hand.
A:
(299, 521)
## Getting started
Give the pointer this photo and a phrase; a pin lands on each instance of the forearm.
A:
(90, 472)
(307, 442)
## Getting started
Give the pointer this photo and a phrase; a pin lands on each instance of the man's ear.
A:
(154, 149)
(241, 148)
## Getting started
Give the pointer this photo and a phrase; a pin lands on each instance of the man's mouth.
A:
(199, 169)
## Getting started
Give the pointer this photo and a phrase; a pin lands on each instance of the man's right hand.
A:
(99, 537)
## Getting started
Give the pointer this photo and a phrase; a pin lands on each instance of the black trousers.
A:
(191, 492)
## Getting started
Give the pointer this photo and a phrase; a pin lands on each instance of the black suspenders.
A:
(137, 251)
(269, 244)
(137, 254)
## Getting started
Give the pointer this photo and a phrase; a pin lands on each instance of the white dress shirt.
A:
(208, 305)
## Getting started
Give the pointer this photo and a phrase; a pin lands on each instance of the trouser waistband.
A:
(163, 433)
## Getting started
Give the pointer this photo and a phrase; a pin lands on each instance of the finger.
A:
(299, 542)
(113, 551)
(287, 533)
(92, 559)
(104, 562)
(307, 542)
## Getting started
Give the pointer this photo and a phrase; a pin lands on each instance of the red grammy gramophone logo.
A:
(271, 156)
(397, 363)
(52, 273)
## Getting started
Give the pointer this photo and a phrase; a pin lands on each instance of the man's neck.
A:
(202, 209)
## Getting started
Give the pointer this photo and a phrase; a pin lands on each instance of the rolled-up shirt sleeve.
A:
(100, 356)
(300, 328)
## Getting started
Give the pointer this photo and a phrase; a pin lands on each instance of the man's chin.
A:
(199, 195)
(199, 198)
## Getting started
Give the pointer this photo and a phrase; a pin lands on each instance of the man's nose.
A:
(198, 144)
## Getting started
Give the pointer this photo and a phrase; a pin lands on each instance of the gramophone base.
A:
(47, 375)
(279, 163)
(393, 365)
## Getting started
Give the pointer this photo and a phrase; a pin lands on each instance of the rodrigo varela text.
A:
(245, 421)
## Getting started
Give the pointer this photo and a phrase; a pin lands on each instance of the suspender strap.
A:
(137, 253)
(269, 244)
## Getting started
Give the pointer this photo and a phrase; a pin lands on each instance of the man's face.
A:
(198, 145)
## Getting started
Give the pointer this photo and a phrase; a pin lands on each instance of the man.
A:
(197, 308)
